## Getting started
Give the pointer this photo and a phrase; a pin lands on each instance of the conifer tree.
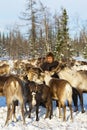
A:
(62, 40)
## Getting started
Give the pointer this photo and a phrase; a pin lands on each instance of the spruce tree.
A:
(62, 41)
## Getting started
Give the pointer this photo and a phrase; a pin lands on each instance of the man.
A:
(50, 64)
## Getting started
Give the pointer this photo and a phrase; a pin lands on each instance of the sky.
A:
(10, 11)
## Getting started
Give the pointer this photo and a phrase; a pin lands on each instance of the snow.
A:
(79, 120)
(79, 58)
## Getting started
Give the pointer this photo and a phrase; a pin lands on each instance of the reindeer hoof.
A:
(15, 119)
(24, 123)
(71, 119)
(46, 116)
(37, 119)
(29, 116)
(50, 117)
(76, 109)
(64, 120)
(83, 111)
(60, 116)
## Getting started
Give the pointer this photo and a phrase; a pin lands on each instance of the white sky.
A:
(11, 9)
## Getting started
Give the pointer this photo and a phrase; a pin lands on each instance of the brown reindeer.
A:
(4, 69)
(61, 90)
(3, 79)
(13, 92)
(34, 73)
(39, 93)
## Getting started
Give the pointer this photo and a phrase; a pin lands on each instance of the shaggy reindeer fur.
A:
(61, 90)
(13, 92)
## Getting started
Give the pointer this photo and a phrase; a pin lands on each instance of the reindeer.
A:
(4, 69)
(34, 73)
(61, 90)
(3, 79)
(78, 79)
(13, 92)
(39, 93)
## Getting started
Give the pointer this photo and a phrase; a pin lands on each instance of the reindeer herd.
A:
(24, 83)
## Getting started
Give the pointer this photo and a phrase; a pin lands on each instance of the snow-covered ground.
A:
(79, 120)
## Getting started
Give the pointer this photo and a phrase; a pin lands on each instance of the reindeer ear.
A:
(47, 72)
(42, 73)
(51, 72)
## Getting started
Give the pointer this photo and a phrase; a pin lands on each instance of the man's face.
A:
(49, 59)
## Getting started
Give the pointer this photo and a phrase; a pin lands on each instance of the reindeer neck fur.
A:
(47, 79)
(71, 76)
(67, 73)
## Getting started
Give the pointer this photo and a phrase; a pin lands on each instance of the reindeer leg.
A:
(75, 101)
(64, 112)
(47, 110)
(30, 108)
(81, 101)
(60, 110)
(50, 109)
(37, 108)
(8, 114)
(13, 108)
(25, 108)
(70, 106)
(22, 111)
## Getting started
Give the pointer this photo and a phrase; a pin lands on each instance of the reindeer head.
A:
(47, 76)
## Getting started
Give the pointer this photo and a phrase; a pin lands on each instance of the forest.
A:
(45, 32)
